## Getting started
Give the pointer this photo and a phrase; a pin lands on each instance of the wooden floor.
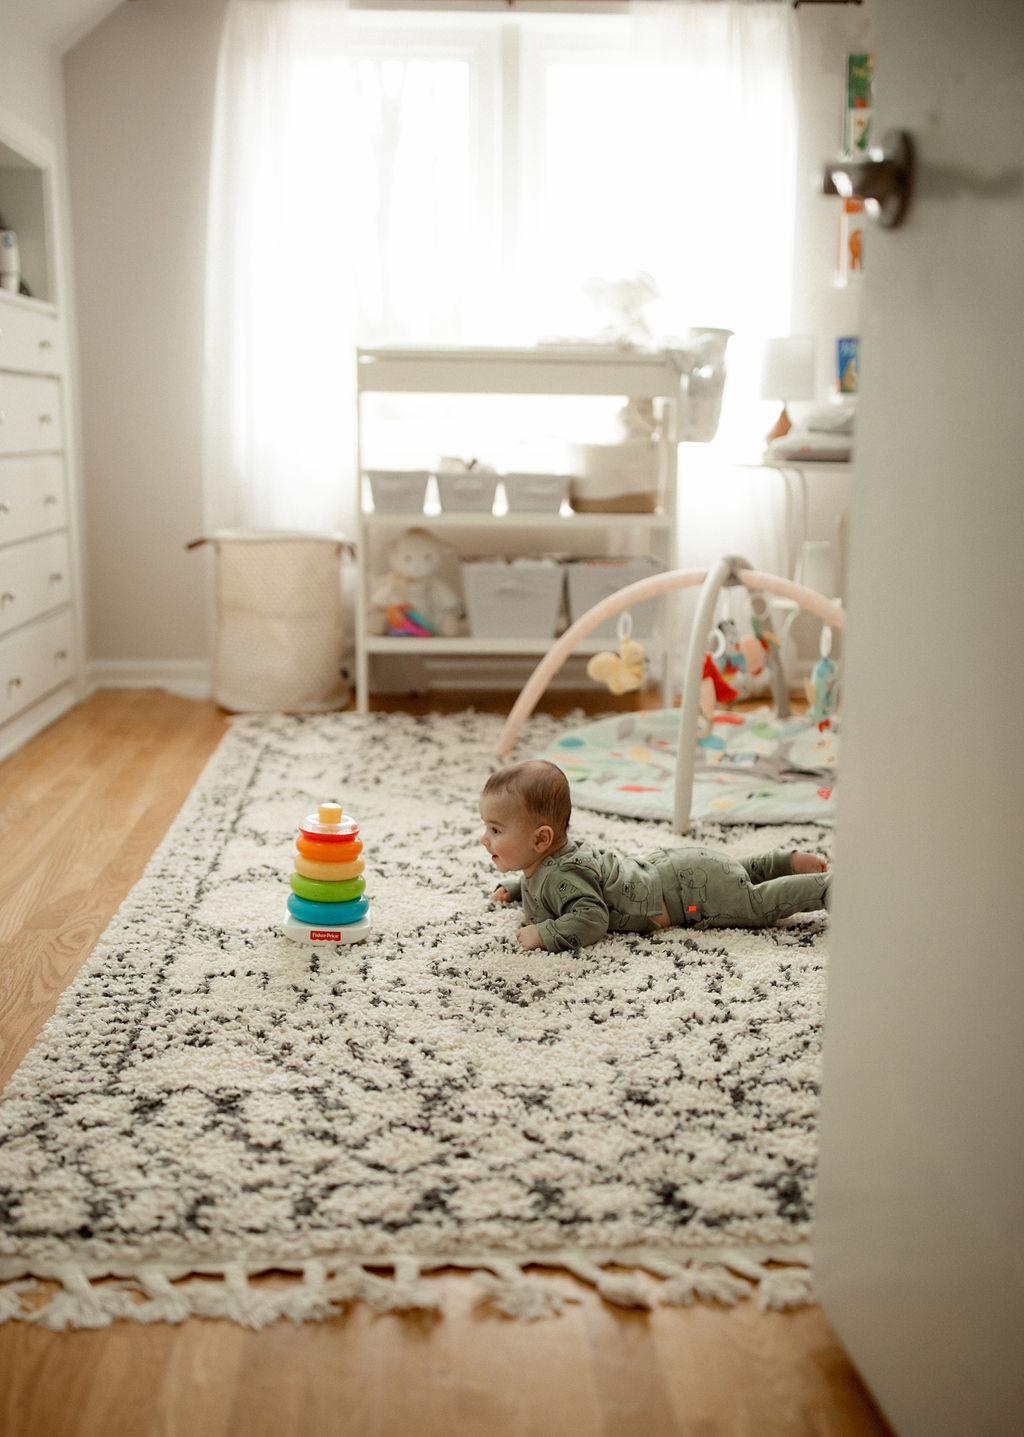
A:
(81, 809)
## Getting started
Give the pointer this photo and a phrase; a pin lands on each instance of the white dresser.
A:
(40, 658)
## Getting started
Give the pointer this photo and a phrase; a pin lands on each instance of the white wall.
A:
(30, 85)
(820, 306)
(139, 94)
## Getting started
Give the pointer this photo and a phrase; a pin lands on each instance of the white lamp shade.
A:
(787, 368)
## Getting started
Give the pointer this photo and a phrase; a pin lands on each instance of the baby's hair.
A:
(541, 787)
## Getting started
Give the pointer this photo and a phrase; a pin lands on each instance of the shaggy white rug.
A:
(211, 1100)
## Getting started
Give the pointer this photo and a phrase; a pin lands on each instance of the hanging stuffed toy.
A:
(822, 688)
(741, 659)
(714, 690)
(622, 672)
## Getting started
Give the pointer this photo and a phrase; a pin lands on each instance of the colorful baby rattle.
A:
(326, 904)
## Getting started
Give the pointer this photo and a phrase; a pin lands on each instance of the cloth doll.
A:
(412, 598)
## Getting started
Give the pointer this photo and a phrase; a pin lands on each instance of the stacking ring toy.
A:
(322, 851)
(332, 872)
(321, 915)
(322, 892)
(327, 903)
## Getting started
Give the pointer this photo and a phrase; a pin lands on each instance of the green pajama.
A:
(580, 893)
(704, 889)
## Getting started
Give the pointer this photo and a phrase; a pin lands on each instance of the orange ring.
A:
(328, 852)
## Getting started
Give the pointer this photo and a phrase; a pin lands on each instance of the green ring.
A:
(323, 890)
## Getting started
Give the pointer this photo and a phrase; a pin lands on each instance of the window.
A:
(500, 161)
(458, 177)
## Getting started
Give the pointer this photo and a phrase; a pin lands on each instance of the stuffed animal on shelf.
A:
(412, 598)
(621, 303)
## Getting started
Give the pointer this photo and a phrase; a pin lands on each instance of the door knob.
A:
(884, 178)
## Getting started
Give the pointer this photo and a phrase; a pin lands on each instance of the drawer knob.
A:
(6, 598)
(49, 499)
(61, 655)
(5, 508)
(57, 578)
(13, 683)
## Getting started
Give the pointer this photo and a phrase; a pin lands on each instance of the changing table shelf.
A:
(467, 645)
(542, 369)
(555, 370)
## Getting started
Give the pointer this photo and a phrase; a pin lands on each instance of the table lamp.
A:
(787, 372)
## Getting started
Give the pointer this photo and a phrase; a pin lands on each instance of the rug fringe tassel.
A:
(507, 1288)
(686, 1283)
(624, 1289)
(81, 1304)
(325, 1287)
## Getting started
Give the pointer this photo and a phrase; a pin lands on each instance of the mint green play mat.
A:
(751, 768)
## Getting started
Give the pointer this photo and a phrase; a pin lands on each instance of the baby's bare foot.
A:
(808, 863)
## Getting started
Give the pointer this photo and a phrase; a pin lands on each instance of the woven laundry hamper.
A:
(281, 624)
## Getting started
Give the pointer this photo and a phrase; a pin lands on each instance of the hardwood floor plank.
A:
(631, 1381)
(82, 807)
(94, 794)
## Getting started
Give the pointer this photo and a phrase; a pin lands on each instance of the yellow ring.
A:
(310, 868)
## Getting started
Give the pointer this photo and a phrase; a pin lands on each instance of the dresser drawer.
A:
(35, 577)
(32, 496)
(29, 340)
(34, 662)
(30, 414)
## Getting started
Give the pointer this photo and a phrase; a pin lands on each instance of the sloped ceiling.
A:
(59, 24)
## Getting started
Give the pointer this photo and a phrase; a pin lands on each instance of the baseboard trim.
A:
(188, 678)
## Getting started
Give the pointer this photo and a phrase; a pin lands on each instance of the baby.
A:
(573, 893)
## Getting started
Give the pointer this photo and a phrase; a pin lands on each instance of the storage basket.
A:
(536, 493)
(588, 581)
(280, 636)
(615, 478)
(398, 490)
(467, 492)
(520, 598)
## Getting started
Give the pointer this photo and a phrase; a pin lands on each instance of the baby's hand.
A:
(500, 895)
(529, 937)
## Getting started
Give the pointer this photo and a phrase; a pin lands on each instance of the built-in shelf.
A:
(40, 640)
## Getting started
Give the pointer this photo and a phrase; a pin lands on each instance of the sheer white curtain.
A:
(338, 216)
(684, 147)
(733, 67)
(279, 339)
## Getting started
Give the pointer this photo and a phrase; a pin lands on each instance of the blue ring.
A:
(307, 910)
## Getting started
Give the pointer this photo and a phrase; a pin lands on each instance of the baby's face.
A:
(508, 835)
